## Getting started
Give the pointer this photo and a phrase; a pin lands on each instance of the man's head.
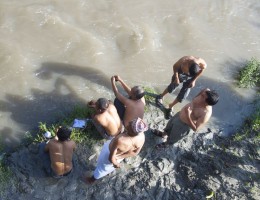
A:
(137, 92)
(194, 69)
(137, 126)
(212, 97)
(63, 134)
(102, 104)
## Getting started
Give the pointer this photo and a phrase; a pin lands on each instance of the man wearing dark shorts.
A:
(186, 70)
(191, 118)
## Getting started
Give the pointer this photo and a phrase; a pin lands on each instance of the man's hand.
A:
(113, 79)
(177, 80)
(92, 104)
(192, 84)
(117, 78)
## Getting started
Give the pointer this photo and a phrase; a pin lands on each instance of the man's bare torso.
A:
(61, 155)
(134, 109)
(110, 120)
(185, 62)
(125, 143)
(199, 112)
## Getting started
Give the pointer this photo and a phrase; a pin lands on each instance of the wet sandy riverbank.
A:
(190, 169)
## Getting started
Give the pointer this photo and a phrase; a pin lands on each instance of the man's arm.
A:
(176, 67)
(199, 123)
(130, 153)
(124, 85)
(112, 156)
(46, 148)
(121, 98)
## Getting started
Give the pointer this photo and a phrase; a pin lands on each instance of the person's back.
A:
(185, 63)
(133, 110)
(110, 120)
(127, 143)
(61, 152)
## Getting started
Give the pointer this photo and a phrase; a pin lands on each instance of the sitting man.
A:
(106, 119)
(124, 145)
(186, 70)
(191, 117)
(60, 151)
(132, 107)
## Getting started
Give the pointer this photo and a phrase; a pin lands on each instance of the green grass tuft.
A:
(250, 128)
(249, 76)
(5, 177)
(88, 135)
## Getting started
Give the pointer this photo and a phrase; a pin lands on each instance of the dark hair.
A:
(63, 134)
(213, 97)
(139, 92)
(194, 69)
(102, 104)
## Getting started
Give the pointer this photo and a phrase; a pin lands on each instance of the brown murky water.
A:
(54, 54)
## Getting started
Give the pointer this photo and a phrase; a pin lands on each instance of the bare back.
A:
(134, 109)
(185, 62)
(61, 155)
(110, 120)
(125, 144)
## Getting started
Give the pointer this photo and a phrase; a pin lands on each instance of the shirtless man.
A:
(106, 118)
(191, 117)
(61, 150)
(132, 107)
(186, 70)
(124, 145)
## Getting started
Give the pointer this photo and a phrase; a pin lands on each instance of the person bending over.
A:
(186, 70)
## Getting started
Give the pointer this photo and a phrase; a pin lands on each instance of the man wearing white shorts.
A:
(124, 145)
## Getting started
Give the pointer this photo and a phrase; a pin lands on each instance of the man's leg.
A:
(171, 87)
(185, 90)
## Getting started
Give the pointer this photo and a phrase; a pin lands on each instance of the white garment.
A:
(104, 166)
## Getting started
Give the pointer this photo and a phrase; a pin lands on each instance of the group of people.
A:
(122, 124)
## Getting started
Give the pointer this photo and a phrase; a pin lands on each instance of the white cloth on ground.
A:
(104, 166)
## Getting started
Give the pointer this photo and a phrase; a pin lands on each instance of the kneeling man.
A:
(61, 150)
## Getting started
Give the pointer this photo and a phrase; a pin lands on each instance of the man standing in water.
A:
(128, 108)
(191, 117)
(124, 145)
(186, 70)
(106, 119)
(61, 151)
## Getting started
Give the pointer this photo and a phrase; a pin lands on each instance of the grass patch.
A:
(150, 94)
(5, 177)
(88, 135)
(250, 128)
(249, 76)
